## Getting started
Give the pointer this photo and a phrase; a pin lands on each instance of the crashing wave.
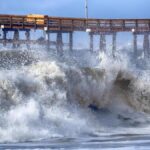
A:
(47, 96)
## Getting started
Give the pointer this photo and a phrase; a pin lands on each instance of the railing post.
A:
(72, 25)
(123, 24)
(136, 24)
(110, 24)
(47, 23)
(23, 22)
(11, 22)
(59, 24)
(35, 23)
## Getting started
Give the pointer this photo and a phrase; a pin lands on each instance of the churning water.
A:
(77, 101)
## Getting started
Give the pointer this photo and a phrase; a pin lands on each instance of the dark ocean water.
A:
(119, 142)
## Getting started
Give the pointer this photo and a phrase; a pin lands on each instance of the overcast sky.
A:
(75, 8)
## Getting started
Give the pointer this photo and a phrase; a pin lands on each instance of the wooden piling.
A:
(59, 42)
(135, 44)
(91, 42)
(113, 44)
(71, 41)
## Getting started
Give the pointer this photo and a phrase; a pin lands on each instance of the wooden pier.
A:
(60, 25)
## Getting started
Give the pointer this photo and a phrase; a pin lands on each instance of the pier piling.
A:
(91, 42)
(59, 45)
(47, 39)
(4, 37)
(16, 39)
(146, 44)
(135, 44)
(102, 42)
(27, 34)
(70, 41)
(113, 44)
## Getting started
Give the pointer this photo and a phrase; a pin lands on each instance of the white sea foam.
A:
(55, 97)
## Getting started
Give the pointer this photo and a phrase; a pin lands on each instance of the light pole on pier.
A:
(86, 9)
(86, 16)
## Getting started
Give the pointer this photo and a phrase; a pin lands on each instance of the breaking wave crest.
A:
(57, 97)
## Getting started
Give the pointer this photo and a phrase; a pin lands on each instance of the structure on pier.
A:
(59, 26)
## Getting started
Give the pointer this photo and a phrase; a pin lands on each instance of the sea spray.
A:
(55, 97)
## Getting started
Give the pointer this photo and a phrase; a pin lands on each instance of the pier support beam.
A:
(27, 34)
(4, 37)
(47, 39)
(91, 42)
(102, 42)
(114, 36)
(135, 44)
(16, 39)
(59, 45)
(71, 41)
(146, 45)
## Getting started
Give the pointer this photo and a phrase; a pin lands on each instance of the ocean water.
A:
(77, 101)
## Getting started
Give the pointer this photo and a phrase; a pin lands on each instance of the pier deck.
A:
(74, 24)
